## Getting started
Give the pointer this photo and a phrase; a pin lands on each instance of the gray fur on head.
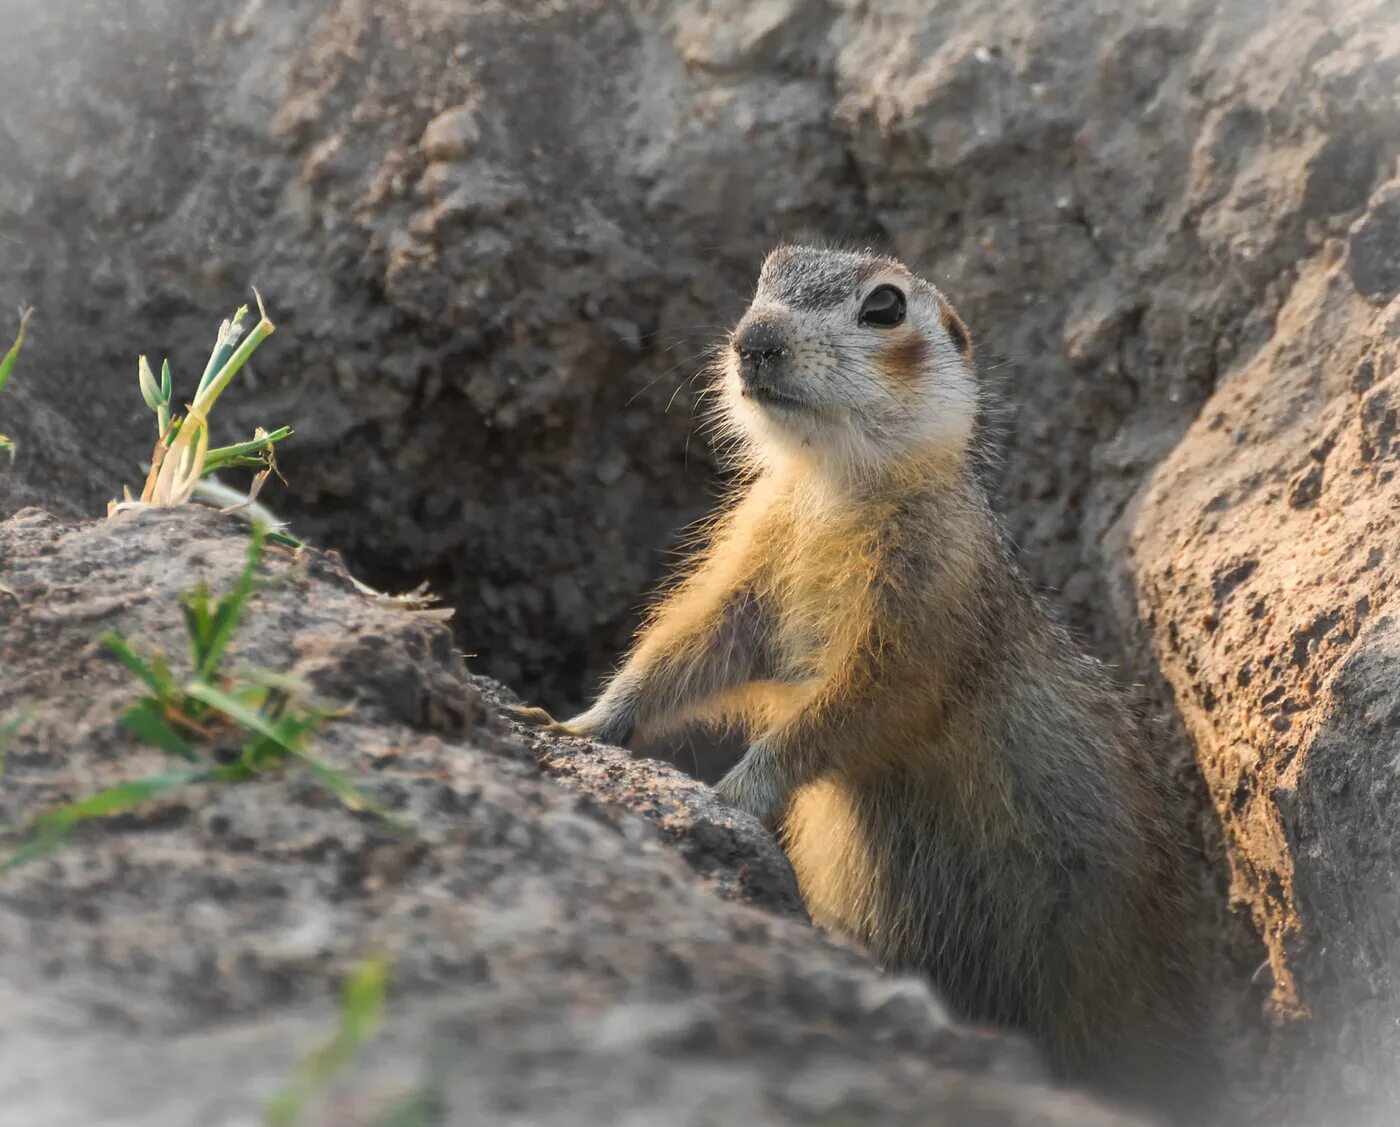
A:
(834, 386)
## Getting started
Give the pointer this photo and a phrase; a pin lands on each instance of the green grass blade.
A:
(287, 540)
(212, 387)
(229, 611)
(199, 623)
(145, 721)
(363, 1002)
(161, 669)
(50, 828)
(287, 733)
(166, 392)
(119, 797)
(151, 673)
(339, 784)
(224, 343)
(7, 364)
(9, 729)
(271, 679)
(44, 841)
(251, 453)
(150, 390)
(243, 713)
(361, 1008)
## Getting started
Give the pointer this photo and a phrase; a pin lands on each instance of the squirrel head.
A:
(850, 358)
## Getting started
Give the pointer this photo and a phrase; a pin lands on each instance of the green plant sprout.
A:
(361, 1007)
(7, 445)
(9, 729)
(422, 1107)
(182, 457)
(268, 711)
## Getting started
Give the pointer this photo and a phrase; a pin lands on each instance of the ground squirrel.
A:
(959, 788)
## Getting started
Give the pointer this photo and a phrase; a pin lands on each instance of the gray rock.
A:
(575, 936)
(1274, 610)
(1373, 256)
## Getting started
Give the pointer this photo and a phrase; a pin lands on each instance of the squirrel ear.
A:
(957, 331)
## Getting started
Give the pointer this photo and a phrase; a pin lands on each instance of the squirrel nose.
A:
(759, 341)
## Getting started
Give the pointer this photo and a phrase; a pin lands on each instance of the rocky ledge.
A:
(574, 936)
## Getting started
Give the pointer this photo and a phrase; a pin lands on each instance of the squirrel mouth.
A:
(769, 396)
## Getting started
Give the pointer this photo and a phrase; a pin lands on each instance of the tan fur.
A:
(958, 788)
(905, 358)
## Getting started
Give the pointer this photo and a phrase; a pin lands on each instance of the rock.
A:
(452, 135)
(1340, 175)
(1305, 488)
(1373, 258)
(732, 850)
(1274, 610)
(574, 936)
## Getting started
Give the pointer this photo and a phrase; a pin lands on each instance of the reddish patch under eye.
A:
(903, 359)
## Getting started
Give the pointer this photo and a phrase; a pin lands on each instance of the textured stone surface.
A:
(1268, 553)
(558, 957)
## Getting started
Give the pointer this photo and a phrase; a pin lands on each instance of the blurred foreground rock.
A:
(576, 937)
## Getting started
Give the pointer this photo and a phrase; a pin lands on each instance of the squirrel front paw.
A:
(539, 718)
(752, 790)
(609, 726)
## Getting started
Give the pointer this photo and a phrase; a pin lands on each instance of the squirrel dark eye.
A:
(884, 308)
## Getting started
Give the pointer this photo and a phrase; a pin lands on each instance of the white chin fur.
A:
(771, 435)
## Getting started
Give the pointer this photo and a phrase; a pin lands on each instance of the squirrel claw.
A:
(539, 718)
